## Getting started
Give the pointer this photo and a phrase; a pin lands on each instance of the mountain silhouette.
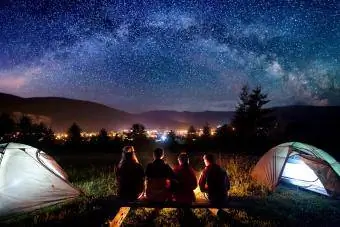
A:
(60, 113)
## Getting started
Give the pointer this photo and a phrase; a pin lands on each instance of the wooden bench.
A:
(125, 207)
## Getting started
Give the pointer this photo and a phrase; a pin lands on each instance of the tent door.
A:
(298, 173)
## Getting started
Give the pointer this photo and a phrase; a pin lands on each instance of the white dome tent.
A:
(30, 179)
(299, 164)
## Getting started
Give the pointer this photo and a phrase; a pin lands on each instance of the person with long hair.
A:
(186, 180)
(130, 175)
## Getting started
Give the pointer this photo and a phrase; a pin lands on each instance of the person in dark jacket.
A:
(130, 175)
(214, 181)
(186, 180)
(159, 176)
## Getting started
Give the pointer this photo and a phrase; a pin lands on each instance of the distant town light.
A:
(163, 137)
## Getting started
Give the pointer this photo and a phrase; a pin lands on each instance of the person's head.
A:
(208, 159)
(183, 158)
(158, 153)
(128, 155)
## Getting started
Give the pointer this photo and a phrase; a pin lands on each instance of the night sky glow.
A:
(176, 55)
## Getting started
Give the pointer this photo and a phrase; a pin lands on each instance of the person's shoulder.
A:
(191, 169)
(138, 165)
(166, 164)
(220, 168)
(206, 169)
(149, 165)
(216, 166)
(177, 168)
(167, 167)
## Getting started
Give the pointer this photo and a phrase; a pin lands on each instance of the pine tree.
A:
(240, 120)
(39, 131)
(103, 136)
(138, 131)
(206, 131)
(192, 133)
(259, 120)
(225, 136)
(7, 127)
(171, 142)
(171, 137)
(42, 133)
(26, 129)
(49, 135)
(251, 118)
(74, 134)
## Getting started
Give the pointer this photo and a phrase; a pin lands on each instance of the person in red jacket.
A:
(186, 180)
(214, 181)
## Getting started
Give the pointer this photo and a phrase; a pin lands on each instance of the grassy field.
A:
(94, 174)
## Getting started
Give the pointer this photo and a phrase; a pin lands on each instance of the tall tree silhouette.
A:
(225, 135)
(74, 134)
(251, 119)
(103, 136)
(192, 133)
(49, 135)
(171, 142)
(42, 133)
(7, 127)
(139, 136)
(138, 131)
(26, 129)
(206, 131)
(259, 119)
(171, 136)
(205, 140)
(240, 120)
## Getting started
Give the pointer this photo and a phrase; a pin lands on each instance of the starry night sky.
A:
(176, 55)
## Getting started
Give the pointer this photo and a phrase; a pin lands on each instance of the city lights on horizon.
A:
(151, 133)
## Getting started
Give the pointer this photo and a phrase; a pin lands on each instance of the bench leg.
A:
(120, 216)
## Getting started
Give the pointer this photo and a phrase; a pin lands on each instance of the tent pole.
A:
(284, 164)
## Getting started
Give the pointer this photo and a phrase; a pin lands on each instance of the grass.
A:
(94, 182)
(239, 169)
(95, 177)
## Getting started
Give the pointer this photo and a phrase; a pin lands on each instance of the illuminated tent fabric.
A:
(30, 179)
(301, 165)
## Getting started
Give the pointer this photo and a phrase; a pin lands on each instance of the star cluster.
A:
(179, 55)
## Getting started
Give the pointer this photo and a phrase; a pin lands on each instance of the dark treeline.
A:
(24, 131)
(253, 130)
(41, 136)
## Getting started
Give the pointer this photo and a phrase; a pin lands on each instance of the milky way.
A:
(146, 55)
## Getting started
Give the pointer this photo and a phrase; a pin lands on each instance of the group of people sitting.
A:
(160, 183)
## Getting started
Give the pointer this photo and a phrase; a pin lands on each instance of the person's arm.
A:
(141, 176)
(117, 172)
(193, 180)
(148, 170)
(141, 173)
(171, 177)
(171, 174)
(202, 181)
(227, 181)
